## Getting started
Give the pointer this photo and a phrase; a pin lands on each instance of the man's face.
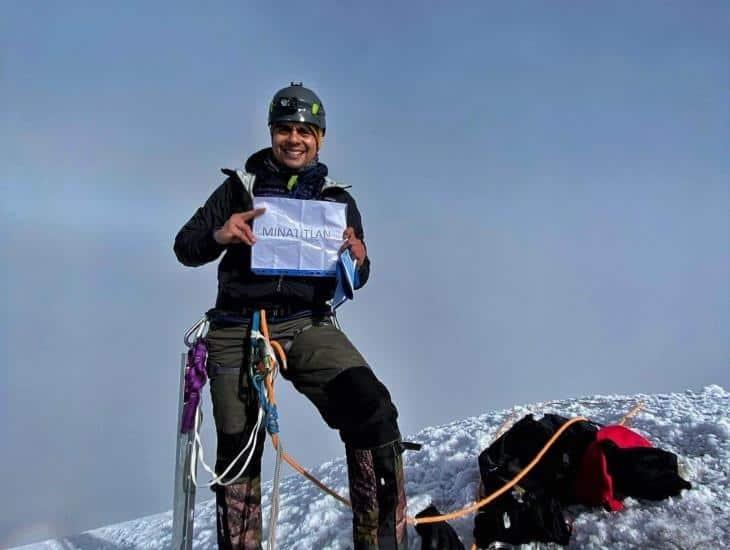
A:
(294, 144)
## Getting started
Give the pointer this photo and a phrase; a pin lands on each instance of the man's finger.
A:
(244, 228)
(245, 239)
(251, 214)
(345, 245)
(249, 235)
(243, 233)
(237, 233)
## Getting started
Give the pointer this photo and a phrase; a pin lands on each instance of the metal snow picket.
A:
(184, 499)
(192, 379)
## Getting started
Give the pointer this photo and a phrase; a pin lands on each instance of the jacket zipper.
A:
(278, 284)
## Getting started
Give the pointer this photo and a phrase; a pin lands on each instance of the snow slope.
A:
(694, 425)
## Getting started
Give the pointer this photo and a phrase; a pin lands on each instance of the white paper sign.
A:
(297, 237)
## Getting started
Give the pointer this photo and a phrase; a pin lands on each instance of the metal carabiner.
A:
(199, 329)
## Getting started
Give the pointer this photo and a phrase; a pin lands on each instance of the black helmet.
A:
(296, 103)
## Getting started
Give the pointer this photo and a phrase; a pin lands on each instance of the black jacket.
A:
(238, 287)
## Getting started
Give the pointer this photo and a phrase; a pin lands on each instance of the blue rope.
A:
(272, 414)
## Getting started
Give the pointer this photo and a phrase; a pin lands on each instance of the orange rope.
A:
(264, 324)
(298, 467)
(505, 425)
(269, 380)
(275, 437)
(280, 350)
(631, 414)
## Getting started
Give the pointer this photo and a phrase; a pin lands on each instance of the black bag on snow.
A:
(437, 536)
(518, 519)
(643, 472)
(533, 509)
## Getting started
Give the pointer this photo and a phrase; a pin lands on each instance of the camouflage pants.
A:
(238, 515)
(377, 493)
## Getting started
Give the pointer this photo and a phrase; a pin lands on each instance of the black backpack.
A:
(533, 509)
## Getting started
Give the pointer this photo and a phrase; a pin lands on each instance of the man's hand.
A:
(238, 229)
(356, 246)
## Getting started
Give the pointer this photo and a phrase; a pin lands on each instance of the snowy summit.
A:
(695, 426)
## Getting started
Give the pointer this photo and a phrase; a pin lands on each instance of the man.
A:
(322, 363)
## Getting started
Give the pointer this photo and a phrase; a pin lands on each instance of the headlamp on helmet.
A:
(296, 103)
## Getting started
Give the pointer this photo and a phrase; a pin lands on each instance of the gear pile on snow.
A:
(590, 464)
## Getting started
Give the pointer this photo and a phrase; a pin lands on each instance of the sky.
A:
(544, 189)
